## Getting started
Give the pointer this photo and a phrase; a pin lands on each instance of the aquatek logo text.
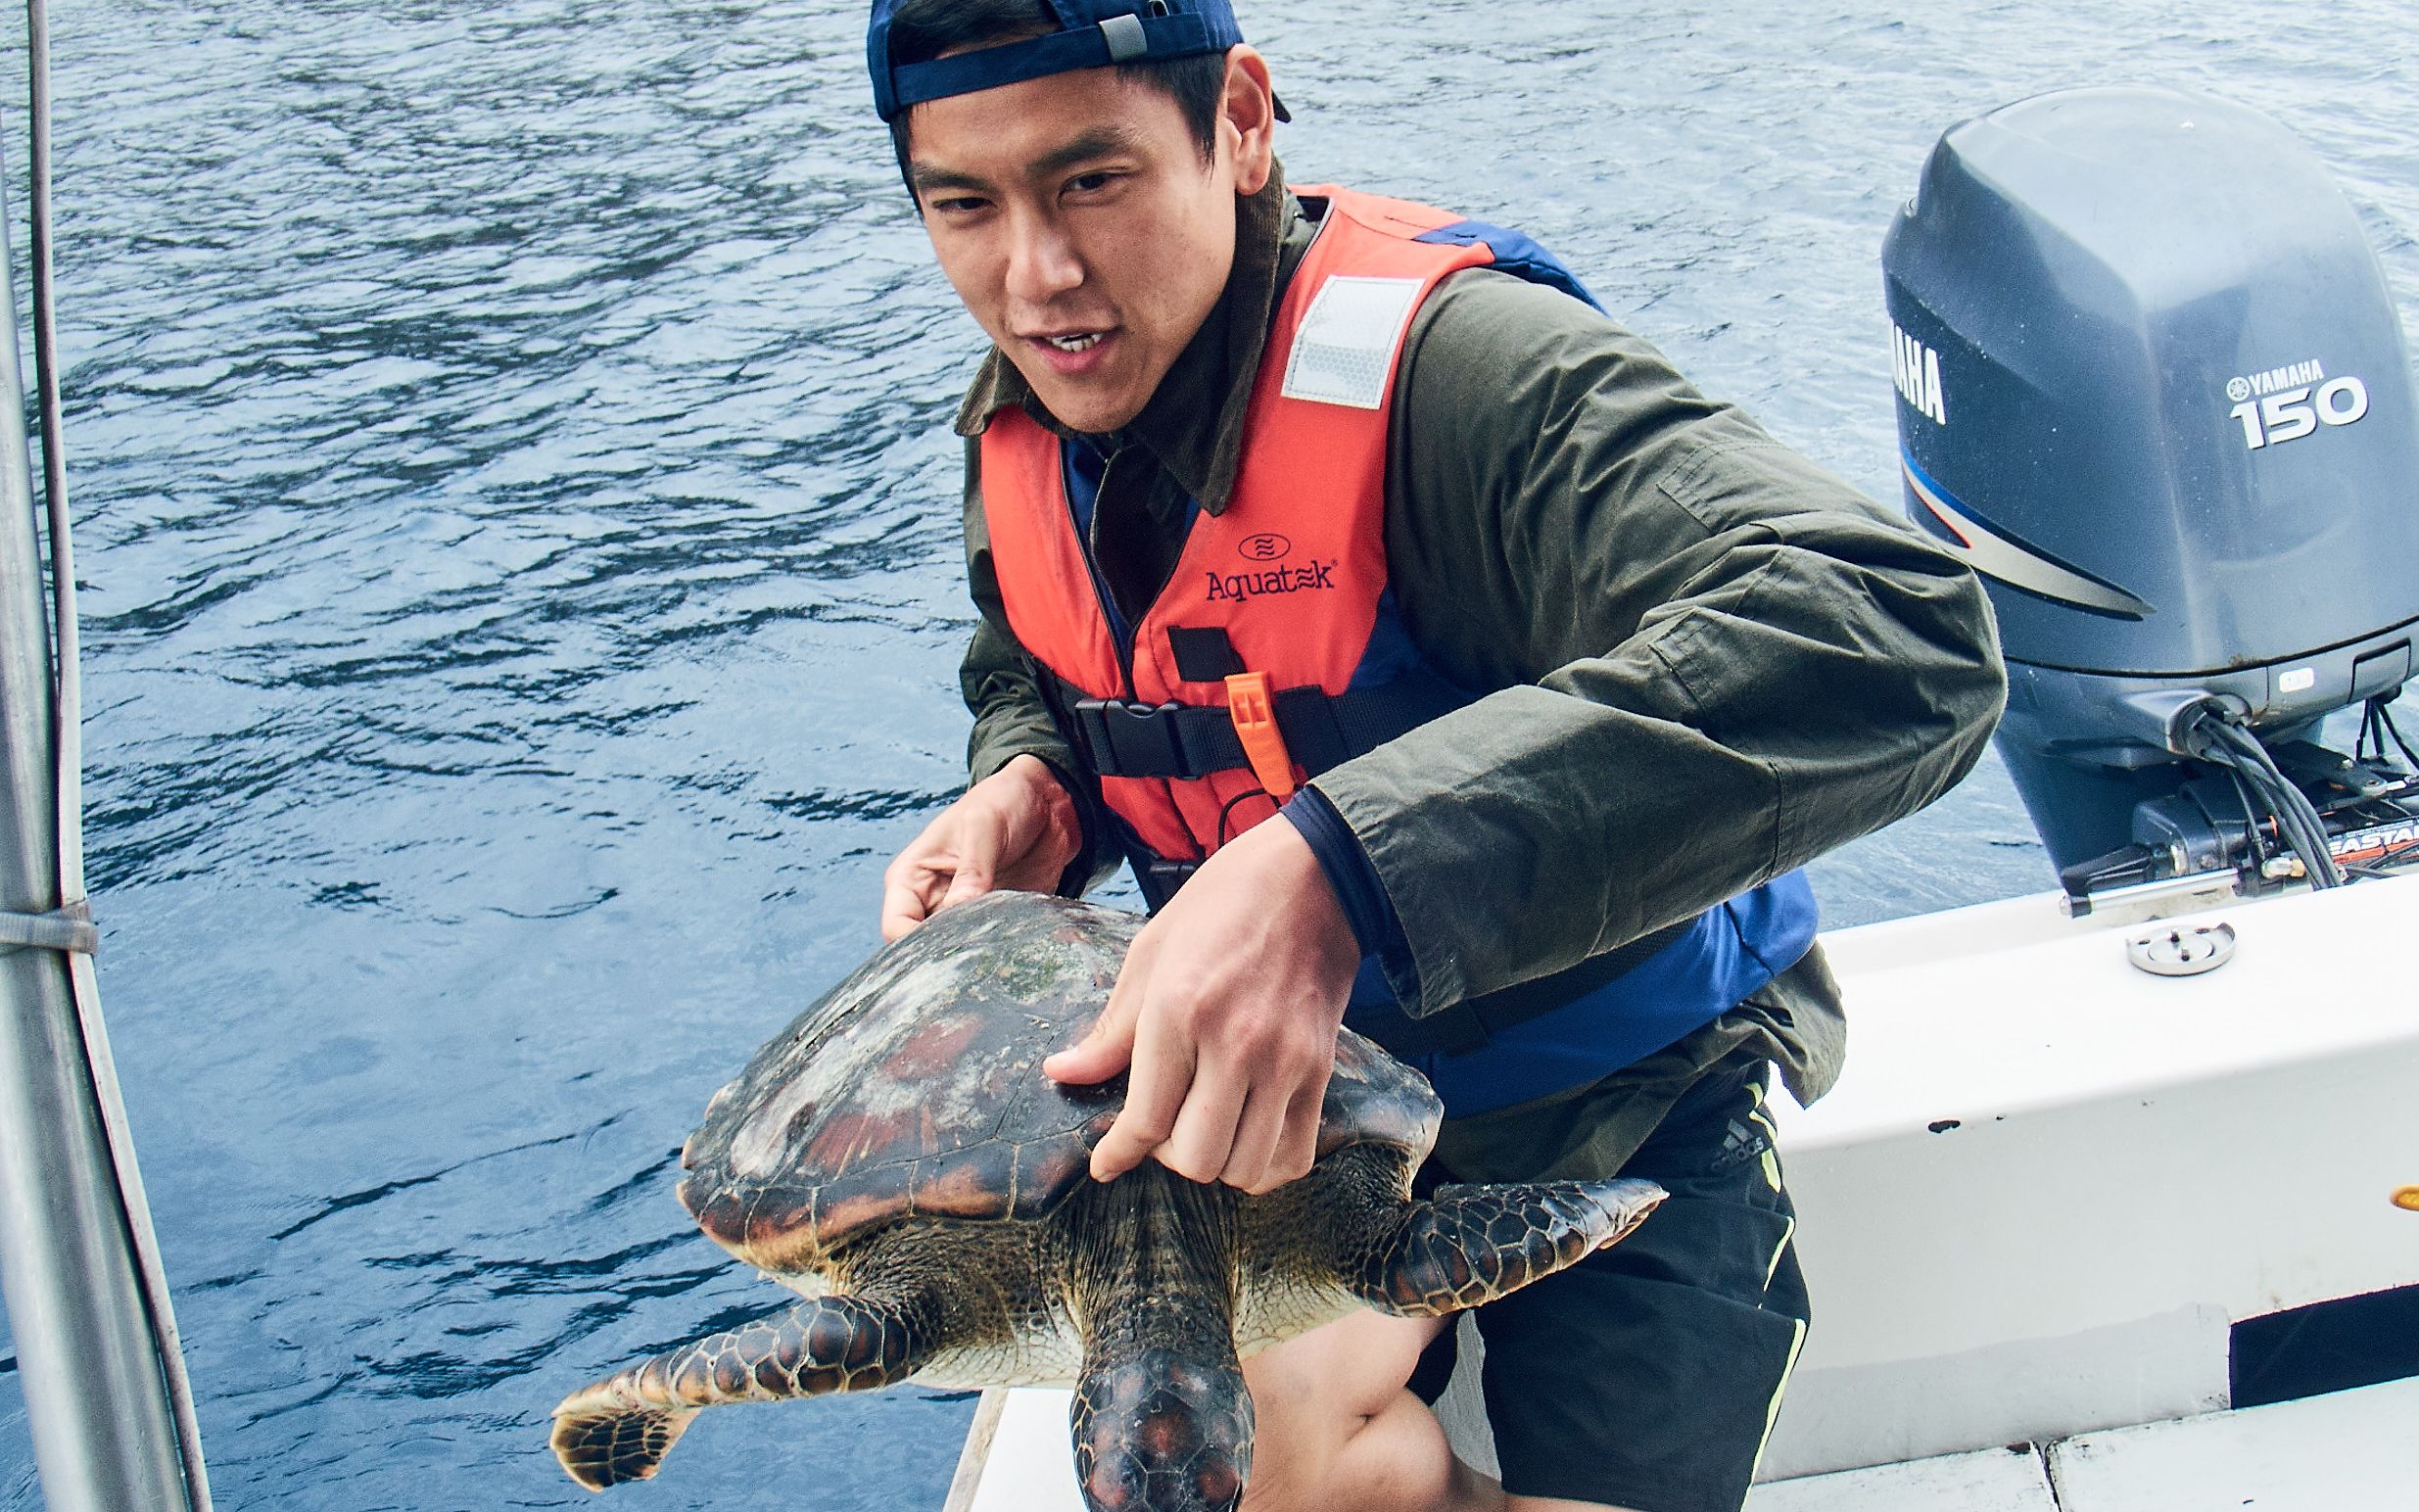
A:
(1273, 580)
(1917, 367)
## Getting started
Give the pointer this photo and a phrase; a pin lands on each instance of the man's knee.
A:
(1351, 1369)
(1333, 1430)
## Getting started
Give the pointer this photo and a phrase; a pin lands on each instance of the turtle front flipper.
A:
(620, 1429)
(1471, 1244)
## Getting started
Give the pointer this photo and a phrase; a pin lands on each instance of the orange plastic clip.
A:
(1254, 714)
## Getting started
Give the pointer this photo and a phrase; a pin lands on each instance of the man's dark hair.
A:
(920, 30)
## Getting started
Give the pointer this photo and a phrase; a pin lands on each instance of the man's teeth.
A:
(1084, 343)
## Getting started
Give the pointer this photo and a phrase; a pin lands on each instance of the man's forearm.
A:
(1547, 822)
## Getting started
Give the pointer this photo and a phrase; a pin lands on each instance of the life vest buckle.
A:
(1132, 739)
(1253, 709)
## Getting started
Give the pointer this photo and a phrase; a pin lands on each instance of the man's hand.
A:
(1228, 1010)
(1016, 828)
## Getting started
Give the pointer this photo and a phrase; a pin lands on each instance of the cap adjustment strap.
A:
(1118, 39)
(1126, 38)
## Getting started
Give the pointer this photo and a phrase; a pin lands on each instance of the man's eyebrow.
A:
(931, 180)
(1097, 142)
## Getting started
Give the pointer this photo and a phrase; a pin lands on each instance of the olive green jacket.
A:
(1708, 661)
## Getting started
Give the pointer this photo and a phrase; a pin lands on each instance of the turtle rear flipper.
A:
(1471, 1244)
(619, 1429)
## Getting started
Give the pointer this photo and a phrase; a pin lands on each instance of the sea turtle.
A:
(897, 1156)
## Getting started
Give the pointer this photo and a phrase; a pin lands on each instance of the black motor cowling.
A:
(2153, 386)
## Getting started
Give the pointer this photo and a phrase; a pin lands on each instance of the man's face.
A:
(1076, 220)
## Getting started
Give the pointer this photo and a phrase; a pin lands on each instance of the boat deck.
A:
(2321, 1454)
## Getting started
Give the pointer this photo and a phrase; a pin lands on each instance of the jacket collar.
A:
(1194, 422)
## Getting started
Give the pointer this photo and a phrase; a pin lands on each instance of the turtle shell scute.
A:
(915, 1088)
(1375, 1099)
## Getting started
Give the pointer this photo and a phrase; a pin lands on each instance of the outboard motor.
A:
(2152, 386)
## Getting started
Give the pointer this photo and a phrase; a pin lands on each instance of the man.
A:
(1350, 514)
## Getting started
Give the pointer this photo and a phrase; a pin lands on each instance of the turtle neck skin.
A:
(1162, 1419)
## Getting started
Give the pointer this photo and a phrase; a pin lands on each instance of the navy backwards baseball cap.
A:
(1091, 34)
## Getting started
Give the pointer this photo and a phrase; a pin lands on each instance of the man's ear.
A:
(1248, 119)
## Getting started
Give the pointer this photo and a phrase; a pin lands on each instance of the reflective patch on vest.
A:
(1345, 346)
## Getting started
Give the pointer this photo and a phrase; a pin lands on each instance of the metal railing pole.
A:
(104, 1435)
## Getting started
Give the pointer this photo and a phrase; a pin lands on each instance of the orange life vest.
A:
(1289, 576)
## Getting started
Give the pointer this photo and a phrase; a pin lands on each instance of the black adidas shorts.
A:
(1647, 1375)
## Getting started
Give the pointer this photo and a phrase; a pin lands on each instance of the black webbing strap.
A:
(1117, 738)
(1467, 1026)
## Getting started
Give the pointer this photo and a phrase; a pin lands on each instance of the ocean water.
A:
(518, 531)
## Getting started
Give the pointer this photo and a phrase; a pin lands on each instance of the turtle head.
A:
(1163, 1431)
